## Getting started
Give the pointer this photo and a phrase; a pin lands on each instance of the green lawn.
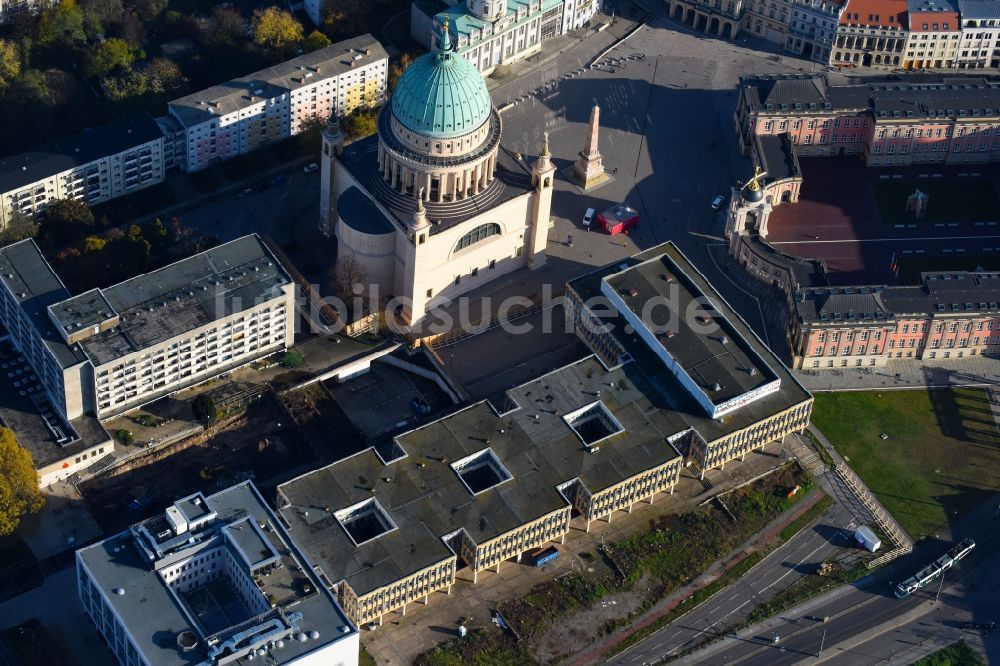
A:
(939, 460)
(949, 201)
(958, 654)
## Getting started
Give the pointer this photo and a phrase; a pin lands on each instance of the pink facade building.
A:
(944, 121)
(949, 315)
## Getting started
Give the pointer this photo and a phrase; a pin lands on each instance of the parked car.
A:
(588, 218)
(717, 202)
(309, 168)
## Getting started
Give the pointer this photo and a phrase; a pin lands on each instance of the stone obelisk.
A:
(588, 170)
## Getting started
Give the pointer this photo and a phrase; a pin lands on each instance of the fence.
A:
(885, 522)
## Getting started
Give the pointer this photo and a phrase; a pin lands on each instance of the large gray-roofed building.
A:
(69, 152)
(939, 293)
(979, 9)
(483, 475)
(916, 97)
(756, 408)
(275, 81)
(131, 585)
(155, 307)
(35, 286)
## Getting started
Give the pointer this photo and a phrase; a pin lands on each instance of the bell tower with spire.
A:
(542, 178)
(333, 144)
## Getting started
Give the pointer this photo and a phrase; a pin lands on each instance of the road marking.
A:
(904, 239)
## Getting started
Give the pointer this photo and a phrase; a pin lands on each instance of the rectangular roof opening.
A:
(481, 471)
(365, 521)
(593, 424)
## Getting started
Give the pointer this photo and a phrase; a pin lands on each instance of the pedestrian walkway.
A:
(903, 374)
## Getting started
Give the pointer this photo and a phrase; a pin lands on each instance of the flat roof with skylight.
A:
(483, 471)
(721, 377)
(167, 582)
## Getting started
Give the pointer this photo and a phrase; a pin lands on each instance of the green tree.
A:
(225, 29)
(62, 24)
(110, 55)
(342, 17)
(66, 220)
(124, 436)
(158, 236)
(31, 89)
(359, 123)
(165, 76)
(275, 28)
(10, 63)
(19, 228)
(292, 359)
(19, 493)
(315, 41)
(103, 12)
(204, 408)
(396, 70)
(148, 10)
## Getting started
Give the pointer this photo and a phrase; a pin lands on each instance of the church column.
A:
(427, 186)
(455, 176)
(440, 193)
(394, 171)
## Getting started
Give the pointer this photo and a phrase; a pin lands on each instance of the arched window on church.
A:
(477, 235)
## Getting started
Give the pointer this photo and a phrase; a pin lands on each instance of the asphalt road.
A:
(873, 604)
(787, 564)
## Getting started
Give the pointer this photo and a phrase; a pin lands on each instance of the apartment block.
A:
(253, 111)
(813, 28)
(936, 121)
(93, 166)
(980, 43)
(106, 351)
(949, 315)
(655, 311)
(212, 581)
(933, 39)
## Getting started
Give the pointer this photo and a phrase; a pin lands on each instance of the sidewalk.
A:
(904, 374)
(710, 575)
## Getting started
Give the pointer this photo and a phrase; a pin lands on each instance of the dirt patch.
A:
(258, 445)
(571, 631)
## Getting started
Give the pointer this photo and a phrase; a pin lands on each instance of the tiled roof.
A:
(941, 293)
(882, 13)
(979, 9)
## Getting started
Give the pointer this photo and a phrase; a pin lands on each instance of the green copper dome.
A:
(441, 94)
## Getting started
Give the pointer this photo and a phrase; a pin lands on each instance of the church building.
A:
(433, 205)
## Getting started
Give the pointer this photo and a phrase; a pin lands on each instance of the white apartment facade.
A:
(253, 111)
(93, 166)
(107, 351)
(979, 45)
(812, 28)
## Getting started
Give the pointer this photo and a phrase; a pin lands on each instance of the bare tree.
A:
(350, 283)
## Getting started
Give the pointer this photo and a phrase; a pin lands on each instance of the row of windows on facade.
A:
(938, 327)
(234, 326)
(91, 454)
(402, 592)
(165, 376)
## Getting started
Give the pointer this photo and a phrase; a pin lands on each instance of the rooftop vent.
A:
(481, 471)
(187, 641)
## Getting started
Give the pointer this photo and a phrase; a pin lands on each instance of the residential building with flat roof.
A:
(485, 485)
(211, 581)
(93, 166)
(107, 351)
(247, 113)
(656, 311)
